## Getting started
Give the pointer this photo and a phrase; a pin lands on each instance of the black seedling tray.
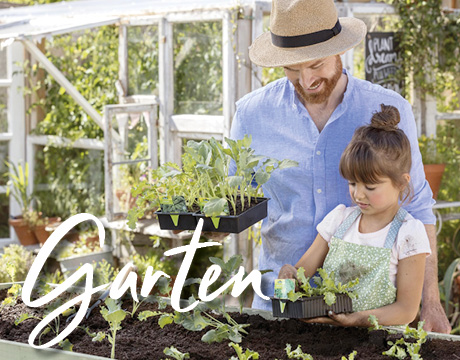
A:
(236, 224)
(307, 308)
(186, 221)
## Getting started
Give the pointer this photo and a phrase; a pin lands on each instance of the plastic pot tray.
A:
(186, 221)
(236, 223)
(306, 308)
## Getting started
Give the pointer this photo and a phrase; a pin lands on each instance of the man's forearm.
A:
(430, 285)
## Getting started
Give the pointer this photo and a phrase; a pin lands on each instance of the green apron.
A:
(370, 264)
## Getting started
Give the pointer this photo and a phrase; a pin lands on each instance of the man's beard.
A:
(328, 86)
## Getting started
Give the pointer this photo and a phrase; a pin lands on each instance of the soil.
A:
(142, 340)
(238, 205)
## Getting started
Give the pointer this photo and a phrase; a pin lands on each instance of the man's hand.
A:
(287, 272)
(435, 318)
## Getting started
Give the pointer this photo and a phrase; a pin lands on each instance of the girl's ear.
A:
(406, 178)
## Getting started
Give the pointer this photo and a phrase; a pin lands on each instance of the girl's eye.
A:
(351, 184)
(370, 188)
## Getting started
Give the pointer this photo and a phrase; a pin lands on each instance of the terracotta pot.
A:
(433, 174)
(40, 230)
(25, 235)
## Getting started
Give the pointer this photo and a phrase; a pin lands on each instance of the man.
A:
(310, 117)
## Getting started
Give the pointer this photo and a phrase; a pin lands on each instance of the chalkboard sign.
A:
(382, 58)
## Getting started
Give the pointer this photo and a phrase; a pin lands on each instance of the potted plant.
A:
(39, 224)
(433, 162)
(309, 301)
(18, 186)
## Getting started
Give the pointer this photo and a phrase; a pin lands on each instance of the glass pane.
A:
(198, 68)
(142, 59)
(3, 109)
(4, 215)
(69, 181)
(3, 67)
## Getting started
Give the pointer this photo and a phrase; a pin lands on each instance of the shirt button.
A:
(318, 152)
(319, 191)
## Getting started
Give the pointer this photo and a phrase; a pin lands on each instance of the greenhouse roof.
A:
(35, 22)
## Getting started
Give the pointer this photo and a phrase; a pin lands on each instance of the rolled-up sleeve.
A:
(421, 204)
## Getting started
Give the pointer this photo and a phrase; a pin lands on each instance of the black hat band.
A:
(306, 39)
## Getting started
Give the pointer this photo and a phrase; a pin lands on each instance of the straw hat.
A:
(305, 30)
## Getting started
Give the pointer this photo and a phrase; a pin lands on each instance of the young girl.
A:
(376, 241)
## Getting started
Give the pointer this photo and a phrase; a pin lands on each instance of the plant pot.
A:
(236, 223)
(176, 221)
(25, 235)
(70, 264)
(433, 174)
(306, 308)
(40, 230)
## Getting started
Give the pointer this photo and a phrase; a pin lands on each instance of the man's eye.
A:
(317, 66)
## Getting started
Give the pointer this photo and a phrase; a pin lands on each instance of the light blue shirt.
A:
(301, 197)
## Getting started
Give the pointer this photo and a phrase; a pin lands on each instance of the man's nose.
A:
(307, 78)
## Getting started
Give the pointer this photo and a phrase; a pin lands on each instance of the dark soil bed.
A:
(142, 340)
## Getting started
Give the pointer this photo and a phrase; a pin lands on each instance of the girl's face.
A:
(378, 198)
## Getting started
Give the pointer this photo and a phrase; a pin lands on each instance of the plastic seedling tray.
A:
(307, 308)
(176, 221)
(235, 223)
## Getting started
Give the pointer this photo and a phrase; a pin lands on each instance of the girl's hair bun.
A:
(387, 119)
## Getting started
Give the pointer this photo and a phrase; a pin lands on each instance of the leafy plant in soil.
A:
(351, 356)
(114, 315)
(401, 348)
(247, 355)
(297, 353)
(326, 286)
(176, 354)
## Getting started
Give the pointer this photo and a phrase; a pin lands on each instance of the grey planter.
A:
(70, 264)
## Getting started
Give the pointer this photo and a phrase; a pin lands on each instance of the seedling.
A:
(114, 315)
(247, 355)
(176, 354)
(326, 287)
(297, 353)
(351, 356)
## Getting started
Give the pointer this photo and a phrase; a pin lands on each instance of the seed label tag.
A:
(283, 287)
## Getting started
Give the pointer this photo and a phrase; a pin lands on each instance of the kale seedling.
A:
(326, 286)
(114, 315)
(351, 356)
(176, 354)
(247, 355)
(297, 353)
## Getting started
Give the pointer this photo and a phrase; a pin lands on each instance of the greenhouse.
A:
(132, 114)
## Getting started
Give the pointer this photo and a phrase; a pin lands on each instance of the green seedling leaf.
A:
(144, 315)
(165, 319)
(22, 318)
(215, 207)
(215, 336)
(351, 356)
(284, 164)
(195, 322)
(99, 336)
(176, 354)
(329, 298)
(374, 322)
(66, 345)
(247, 355)
(297, 353)
(69, 312)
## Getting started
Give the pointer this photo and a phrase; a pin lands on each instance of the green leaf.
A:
(144, 315)
(176, 354)
(66, 345)
(448, 280)
(215, 207)
(195, 322)
(99, 336)
(329, 298)
(165, 319)
(22, 318)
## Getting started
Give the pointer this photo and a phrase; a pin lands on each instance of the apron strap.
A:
(394, 228)
(345, 225)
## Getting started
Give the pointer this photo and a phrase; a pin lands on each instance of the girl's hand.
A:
(338, 320)
(287, 272)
